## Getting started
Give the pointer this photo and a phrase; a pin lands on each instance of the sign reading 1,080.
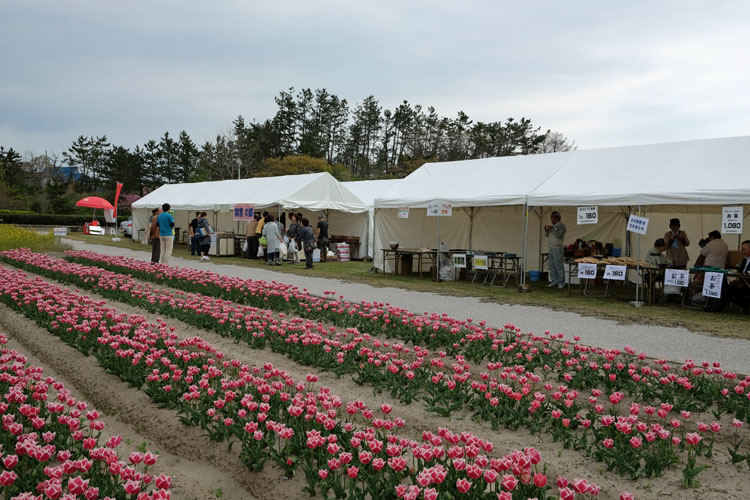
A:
(731, 220)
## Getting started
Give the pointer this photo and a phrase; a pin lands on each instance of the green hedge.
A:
(30, 218)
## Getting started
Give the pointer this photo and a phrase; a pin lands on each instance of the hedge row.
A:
(27, 218)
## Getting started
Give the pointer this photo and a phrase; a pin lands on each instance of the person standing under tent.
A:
(204, 240)
(259, 230)
(165, 222)
(252, 237)
(322, 235)
(153, 235)
(194, 235)
(676, 241)
(555, 233)
(273, 235)
(306, 240)
(291, 234)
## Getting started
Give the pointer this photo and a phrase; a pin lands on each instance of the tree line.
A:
(311, 131)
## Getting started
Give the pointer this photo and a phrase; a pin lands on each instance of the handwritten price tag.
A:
(615, 272)
(712, 285)
(676, 277)
(587, 271)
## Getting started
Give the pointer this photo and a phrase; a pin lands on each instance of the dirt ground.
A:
(203, 469)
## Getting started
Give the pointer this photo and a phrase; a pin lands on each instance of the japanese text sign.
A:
(731, 220)
(244, 211)
(439, 209)
(637, 224)
(60, 231)
(480, 262)
(676, 277)
(587, 271)
(712, 285)
(588, 215)
(459, 260)
(612, 272)
(402, 213)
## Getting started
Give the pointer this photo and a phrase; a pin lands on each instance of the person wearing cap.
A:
(322, 235)
(676, 241)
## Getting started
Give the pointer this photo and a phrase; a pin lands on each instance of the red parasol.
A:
(94, 202)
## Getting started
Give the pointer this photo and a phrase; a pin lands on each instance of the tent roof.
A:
(367, 191)
(699, 172)
(473, 183)
(314, 192)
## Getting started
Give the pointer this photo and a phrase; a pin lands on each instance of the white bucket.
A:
(343, 249)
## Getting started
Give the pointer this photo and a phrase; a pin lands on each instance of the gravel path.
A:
(674, 344)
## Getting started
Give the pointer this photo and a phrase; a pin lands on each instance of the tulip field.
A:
(336, 399)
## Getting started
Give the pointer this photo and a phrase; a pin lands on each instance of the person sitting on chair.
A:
(656, 256)
(739, 289)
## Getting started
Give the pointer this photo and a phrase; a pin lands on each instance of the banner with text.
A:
(244, 211)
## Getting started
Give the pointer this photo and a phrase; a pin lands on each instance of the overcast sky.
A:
(602, 73)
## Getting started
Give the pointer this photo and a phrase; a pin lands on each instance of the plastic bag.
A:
(282, 250)
(244, 247)
(263, 241)
(260, 252)
(447, 269)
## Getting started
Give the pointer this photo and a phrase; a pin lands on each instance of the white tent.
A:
(367, 191)
(689, 180)
(487, 197)
(309, 193)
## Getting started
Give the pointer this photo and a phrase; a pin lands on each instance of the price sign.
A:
(731, 220)
(440, 210)
(587, 271)
(402, 213)
(676, 277)
(480, 262)
(60, 231)
(588, 215)
(612, 272)
(459, 260)
(712, 285)
(637, 224)
(244, 211)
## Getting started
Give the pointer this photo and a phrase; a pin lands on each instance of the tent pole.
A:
(437, 255)
(525, 243)
(638, 302)
(374, 269)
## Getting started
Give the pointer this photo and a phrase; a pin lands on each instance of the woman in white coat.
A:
(273, 235)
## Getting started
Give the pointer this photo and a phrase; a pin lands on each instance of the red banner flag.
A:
(117, 197)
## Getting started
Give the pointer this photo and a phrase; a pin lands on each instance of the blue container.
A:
(616, 252)
(534, 275)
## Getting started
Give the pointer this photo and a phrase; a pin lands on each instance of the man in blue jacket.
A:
(165, 221)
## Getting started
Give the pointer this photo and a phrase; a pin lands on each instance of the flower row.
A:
(510, 396)
(690, 387)
(52, 443)
(274, 417)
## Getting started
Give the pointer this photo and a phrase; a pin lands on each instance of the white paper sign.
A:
(676, 277)
(612, 272)
(637, 224)
(587, 271)
(213, 240)
(459, 260)
(60, 231)
(588, 215)
(712, 285)
(402, 213)
(480, 262)
(440, 210)
(731, 220)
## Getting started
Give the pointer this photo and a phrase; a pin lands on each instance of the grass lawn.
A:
(729, 323)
